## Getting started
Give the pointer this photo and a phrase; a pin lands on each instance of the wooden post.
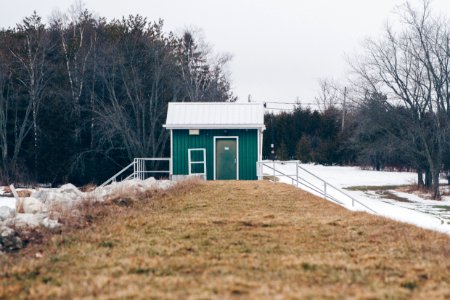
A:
(19, 201)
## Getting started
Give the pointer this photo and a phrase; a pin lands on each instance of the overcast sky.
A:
(280, 48)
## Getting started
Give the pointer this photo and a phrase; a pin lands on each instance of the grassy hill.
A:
(231, 239)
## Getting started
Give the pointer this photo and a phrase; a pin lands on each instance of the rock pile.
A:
(36, 208)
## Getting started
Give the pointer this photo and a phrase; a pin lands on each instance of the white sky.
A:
(280, 48)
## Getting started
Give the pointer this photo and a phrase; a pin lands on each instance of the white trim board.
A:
(237, 153)
(216, 126)
(171, 154)
(203, 162)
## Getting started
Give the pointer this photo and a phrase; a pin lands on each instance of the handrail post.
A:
(324, 190)
(273, 171)
(296, 172)
(171, 168)
(139, 169)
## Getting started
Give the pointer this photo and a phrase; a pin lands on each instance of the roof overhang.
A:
(216, 126)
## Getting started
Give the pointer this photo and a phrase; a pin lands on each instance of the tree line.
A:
(315, 136)
(305, 134)
(80, 97)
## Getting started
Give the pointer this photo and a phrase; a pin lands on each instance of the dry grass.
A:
(20, 193)
(228, 240)
(88, 187)
(366, 188)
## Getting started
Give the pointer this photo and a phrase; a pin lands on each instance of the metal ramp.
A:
(295, 174)
(140, 170)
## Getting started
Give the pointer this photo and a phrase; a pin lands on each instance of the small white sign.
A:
(194, 131)
(227, 148)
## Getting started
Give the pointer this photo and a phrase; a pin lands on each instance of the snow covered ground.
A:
(8, 201)
(385, 201)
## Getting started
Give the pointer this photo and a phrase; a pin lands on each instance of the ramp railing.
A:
(141, 170)
(299, 176)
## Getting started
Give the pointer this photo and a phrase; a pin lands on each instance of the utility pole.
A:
(343, 109)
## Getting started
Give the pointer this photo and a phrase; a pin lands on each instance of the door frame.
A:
(237, 153)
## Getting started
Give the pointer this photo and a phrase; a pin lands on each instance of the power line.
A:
(274, 105)
(281, 109)
(276, 102)
(291, 103)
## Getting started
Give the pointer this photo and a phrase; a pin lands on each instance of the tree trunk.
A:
(420, 181)
(436, 194)
(428, 179)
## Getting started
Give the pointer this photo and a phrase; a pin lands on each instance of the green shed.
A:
(216, 140)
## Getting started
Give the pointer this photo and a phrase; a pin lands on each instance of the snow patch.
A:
(38, 207)
(27, 220)
(32, 205)
(6, 212)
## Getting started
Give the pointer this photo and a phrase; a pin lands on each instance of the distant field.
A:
(231, 239)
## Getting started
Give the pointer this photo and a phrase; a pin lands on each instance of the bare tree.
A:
(329, 95)
(5, 101)
(411, 67)
(31, 73)
(137, 86)
(78, 36)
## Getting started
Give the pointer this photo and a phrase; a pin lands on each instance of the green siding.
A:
(248, 150)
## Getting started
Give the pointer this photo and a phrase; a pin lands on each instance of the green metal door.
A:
(226, 159)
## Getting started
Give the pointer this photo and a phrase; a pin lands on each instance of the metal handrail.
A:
(306, 183)
(299, 180)
(113, 178)
(139, 170)
(139, 166)
(337, 189)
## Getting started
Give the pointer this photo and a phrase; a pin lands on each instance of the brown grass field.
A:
(258, 240)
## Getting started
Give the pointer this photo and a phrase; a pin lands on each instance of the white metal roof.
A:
(214, 115)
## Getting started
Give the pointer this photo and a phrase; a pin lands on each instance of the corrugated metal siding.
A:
(214, 115)
(248, 150)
